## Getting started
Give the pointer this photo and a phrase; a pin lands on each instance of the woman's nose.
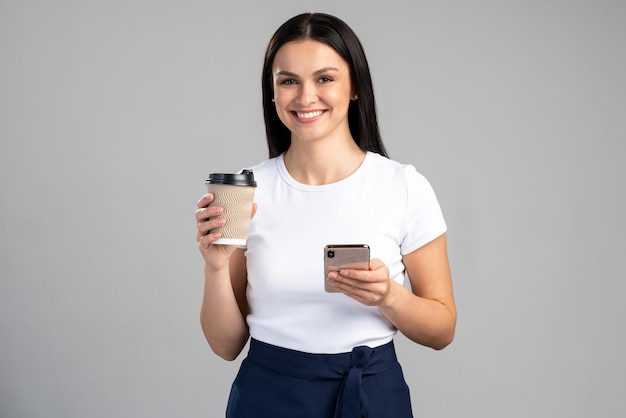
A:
(307, 96)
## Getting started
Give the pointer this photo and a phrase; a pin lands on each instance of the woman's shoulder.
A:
(267, 173)
(388, 167)
(264, 167)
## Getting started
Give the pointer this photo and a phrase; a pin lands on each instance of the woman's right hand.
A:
(215, 256)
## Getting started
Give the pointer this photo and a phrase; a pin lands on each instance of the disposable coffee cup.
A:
(234, 193)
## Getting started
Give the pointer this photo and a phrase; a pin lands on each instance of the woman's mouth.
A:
(308, 116)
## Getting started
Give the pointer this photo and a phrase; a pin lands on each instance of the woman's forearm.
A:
(222, 321)
(427, 322)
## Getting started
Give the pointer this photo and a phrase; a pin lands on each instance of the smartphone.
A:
(338, 256)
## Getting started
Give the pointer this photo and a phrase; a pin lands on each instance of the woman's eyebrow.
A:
(318, 72)
(325, 70)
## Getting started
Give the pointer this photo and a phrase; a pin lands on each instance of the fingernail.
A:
(332, 276)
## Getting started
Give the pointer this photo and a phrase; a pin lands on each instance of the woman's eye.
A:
(325, 79)
(287, 82)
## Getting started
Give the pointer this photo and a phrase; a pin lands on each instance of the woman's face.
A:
(312, 90)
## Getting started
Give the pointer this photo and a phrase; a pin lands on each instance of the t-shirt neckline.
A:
(280, 162)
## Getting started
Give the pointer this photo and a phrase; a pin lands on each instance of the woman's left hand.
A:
(370, 287)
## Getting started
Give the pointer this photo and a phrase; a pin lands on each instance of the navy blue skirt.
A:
(275, 382)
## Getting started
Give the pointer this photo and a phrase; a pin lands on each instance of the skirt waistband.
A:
(349, 367)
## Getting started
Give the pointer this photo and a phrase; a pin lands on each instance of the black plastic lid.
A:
(243, 178)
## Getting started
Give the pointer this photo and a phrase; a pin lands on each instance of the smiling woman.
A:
(342, 40)
(312, 92)
(328, 180)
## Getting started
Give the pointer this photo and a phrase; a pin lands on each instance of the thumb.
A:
(254, 208)
(375, 264)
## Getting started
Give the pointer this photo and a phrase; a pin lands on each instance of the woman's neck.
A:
(317, 165)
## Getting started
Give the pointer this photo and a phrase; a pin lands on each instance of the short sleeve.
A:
(424, 219)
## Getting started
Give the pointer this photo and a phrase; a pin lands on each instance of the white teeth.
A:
(309, 115)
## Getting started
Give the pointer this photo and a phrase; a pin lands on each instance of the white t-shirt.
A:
(384, 204)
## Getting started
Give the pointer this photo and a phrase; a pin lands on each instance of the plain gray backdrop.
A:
(113, 113)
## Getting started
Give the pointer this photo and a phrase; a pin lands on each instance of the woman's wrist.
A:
(389, 299)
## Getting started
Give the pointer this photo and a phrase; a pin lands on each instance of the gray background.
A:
(112, 114)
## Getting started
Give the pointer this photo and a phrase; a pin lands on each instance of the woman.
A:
(328, 181)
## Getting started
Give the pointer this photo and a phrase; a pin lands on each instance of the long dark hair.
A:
(339, 36)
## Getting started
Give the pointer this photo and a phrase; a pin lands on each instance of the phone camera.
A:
(331, 254)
